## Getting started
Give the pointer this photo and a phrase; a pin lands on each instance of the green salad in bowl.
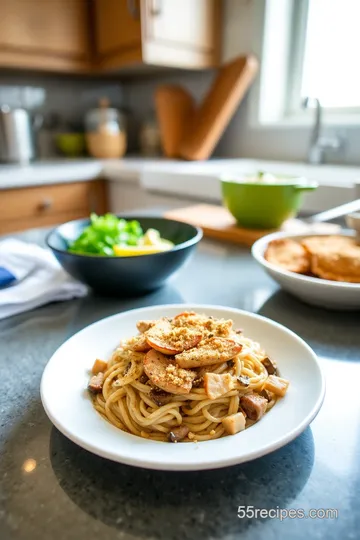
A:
(112, 236)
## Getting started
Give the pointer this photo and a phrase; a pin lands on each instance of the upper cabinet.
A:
(171, 33)
(45, 34)
(181, 34)
(95, 36)
(117, 33)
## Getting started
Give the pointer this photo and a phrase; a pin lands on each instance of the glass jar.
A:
(105, 132)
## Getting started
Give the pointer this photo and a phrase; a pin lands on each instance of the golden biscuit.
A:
(288, 254)
(341, 266)
(327, 244)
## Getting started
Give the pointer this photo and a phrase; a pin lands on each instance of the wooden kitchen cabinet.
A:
(39, 206)
(117, 33)
(169, 33)
(95, 36)
(45, 34)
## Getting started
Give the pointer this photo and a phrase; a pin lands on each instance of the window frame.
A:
(286, 108)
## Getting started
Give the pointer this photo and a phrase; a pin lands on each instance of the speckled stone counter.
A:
(50, 489)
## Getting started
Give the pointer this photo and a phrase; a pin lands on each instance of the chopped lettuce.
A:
(104, 232)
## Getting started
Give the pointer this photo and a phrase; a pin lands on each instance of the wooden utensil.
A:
(218, 223)
(175, 111)
(218, 107)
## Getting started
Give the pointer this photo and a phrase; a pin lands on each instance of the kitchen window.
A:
(310, 48)
(325, 54)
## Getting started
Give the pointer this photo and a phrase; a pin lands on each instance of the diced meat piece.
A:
(214, 351)
(166, 374)
(265, 394)
(234, 423)
(217, 385)
(160, 397)
(178, 434)
(96, 383)
(99, 366)
(144, 326)
(168, 339)
(244, 380)
(198, 382)
(136, 343)
(277, 385)
(254, 406)
(143, 379)
(269, 365)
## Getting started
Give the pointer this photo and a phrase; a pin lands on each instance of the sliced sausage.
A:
(208, 325)
(168, 339)
(166, 374)
(214, 351)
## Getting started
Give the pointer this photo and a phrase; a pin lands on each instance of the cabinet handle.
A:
(133, 9)
(155, 7)
(45, 204)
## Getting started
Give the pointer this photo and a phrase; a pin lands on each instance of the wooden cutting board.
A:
(218, 223)
(175, 109)
(218, 107)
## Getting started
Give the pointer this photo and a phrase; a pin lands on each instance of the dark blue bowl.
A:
(125, 275)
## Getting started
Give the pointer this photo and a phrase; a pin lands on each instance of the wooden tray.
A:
(218, 223)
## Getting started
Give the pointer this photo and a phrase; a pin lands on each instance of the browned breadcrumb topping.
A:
(178, 376)
(179, 337)
(207, 325)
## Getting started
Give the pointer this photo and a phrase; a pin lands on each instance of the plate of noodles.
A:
(183, 387)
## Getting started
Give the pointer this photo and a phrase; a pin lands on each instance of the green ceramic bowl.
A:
(264, 202)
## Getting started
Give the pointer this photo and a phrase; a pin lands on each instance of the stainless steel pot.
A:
(17, 144)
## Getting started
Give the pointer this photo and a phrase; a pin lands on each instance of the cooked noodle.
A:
(131, 408)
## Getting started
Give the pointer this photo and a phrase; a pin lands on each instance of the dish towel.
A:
(30, 277)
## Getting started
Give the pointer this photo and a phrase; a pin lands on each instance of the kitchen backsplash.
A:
(68, 97)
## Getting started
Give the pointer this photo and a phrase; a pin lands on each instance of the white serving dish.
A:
(70, 409)
(315, 291)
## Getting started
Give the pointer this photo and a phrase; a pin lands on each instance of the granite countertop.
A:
(50, 489)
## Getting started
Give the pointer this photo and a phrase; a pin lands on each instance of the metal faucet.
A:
(319, 144)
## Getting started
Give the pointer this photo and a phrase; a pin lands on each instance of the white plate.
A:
(319, 292)
(69, 407)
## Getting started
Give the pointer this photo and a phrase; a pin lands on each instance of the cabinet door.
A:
(52, 34)
(117, 32)
(183, 34)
